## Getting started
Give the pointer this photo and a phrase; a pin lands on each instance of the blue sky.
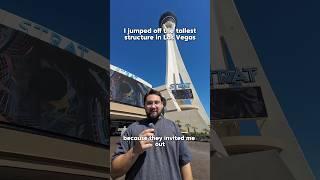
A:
(147, 59)
(84, 23)
(286, 36)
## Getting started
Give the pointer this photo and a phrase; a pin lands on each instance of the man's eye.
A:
(153, 102)
(149, 103)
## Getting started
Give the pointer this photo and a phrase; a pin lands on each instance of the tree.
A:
(188, 126)
(178, 123)
(206, 131)
(194, 129)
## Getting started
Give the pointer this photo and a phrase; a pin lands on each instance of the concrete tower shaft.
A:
(177, 76)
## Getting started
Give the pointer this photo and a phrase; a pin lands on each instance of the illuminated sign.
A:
(45, 89)
(54, 38)
(182, 94)
(130, 75)
(127, 90)
(244, 75)
(235, 103)
(180, 86)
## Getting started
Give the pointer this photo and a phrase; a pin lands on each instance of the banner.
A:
(47, 89)
(235, 103)
(126, 89)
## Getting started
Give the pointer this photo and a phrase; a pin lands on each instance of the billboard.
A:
(235, 103)
(45, 89)
(182, 94)
(127, 90)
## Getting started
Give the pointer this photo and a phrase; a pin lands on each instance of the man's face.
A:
(153, 106)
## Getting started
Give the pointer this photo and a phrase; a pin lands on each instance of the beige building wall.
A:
(264, 165)
(35, 156)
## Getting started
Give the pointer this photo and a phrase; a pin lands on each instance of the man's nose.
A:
(153, 105)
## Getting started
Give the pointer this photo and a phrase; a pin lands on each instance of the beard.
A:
(153, 114)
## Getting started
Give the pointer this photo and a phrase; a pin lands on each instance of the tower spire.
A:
(178, 86)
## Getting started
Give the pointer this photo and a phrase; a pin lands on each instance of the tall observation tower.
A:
(241, 95)
(184, 105)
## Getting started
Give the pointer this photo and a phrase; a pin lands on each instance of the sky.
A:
(147, 59)
(84, 23)
(285, 34)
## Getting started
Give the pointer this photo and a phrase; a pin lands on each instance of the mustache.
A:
(153, 114)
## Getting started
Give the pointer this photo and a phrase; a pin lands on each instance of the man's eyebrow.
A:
(154, 101)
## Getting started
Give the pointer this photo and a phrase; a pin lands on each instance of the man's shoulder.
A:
(169, 121)
(133, 126)
(136, 127)
(145, 123)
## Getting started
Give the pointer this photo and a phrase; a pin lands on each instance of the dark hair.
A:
(155, 92)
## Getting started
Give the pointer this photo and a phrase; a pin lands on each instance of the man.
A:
(144, 159)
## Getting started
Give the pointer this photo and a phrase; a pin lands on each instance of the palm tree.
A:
(188, 126)
(194, 129)
(206, 131)
(178, 123)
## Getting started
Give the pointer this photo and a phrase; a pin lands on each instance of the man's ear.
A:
(164, 101)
